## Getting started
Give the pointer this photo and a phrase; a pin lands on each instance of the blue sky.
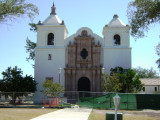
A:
(94, 14)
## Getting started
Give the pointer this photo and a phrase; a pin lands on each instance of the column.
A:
(93, 80)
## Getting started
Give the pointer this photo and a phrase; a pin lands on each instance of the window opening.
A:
(84, 53)
(143, 89)
(49, 78)
(155, 89)
(50, 39)
(117, 39)
(49, 57)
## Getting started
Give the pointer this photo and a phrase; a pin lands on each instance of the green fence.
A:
(127, 101)
(101, 100)
(148, 101)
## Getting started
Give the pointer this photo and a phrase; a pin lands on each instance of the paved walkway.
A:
(66, 114)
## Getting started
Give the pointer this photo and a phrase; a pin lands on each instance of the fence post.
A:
(13, 98)
(93, 100)
(127, 101)
(78, 97)
(110, 101)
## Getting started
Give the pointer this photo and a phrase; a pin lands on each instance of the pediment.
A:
(84, 32)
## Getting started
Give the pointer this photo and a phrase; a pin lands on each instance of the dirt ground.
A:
(148, 113)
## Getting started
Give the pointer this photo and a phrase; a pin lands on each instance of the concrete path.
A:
(66, 114)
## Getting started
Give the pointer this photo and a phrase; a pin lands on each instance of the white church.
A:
(77, 61)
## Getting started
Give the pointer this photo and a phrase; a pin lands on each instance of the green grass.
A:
(127, 115)
(96, 116)
(29, 113)
(22, 113)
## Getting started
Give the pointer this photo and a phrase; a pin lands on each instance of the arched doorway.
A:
(83, 84)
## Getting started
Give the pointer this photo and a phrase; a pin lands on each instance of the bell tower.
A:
(117, 50)
(50, 51)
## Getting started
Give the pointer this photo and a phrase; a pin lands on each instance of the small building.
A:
(151, 85)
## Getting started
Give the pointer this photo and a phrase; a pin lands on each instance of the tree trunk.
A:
(13, 99)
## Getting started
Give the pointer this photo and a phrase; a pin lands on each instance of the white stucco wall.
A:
(150, 89)
(114, 57)
(49, 68)
(109, 33)
(60, 33)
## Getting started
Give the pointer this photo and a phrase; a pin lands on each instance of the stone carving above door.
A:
(83, 61)
(84, 33)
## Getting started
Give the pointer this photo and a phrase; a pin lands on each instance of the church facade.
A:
(77, 61)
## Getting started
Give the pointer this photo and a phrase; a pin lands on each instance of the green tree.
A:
(111, 83)
(158, 53)
(146, 73)
(10, 9)
(128, 78)
(13, 81)
(33, 27)
(52, 89)
(30, 45)
(142, 13)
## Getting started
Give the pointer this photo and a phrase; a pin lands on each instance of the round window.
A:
(84, 53)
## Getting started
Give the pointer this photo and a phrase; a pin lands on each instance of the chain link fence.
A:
(100, 100)
(16, 98)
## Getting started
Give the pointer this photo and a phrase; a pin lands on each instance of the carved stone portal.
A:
(83, 71)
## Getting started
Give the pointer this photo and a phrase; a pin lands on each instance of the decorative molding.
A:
(86, 66)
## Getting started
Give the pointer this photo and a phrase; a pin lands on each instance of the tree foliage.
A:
(158, 53)
(142, 13)
(111, 83)
(30, 45)
(126, 81)
(33, 27)
(13, 81)
(10, 9)
(52, 89)
(146, 73)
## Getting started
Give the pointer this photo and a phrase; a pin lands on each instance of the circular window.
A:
(84, 53)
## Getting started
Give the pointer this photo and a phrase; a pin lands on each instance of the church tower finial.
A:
(115, 16)
(53, 10)
(53, 4)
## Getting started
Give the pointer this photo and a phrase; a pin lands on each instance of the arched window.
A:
(117, 39)
(50, 40)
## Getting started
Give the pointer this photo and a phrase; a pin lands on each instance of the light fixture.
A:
(116, 103)
(103, 70)
(59, 71)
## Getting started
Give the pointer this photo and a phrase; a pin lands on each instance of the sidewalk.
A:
(66, 114)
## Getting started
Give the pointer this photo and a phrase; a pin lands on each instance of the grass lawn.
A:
(29, 113)
(127, 115)
(22, 113)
